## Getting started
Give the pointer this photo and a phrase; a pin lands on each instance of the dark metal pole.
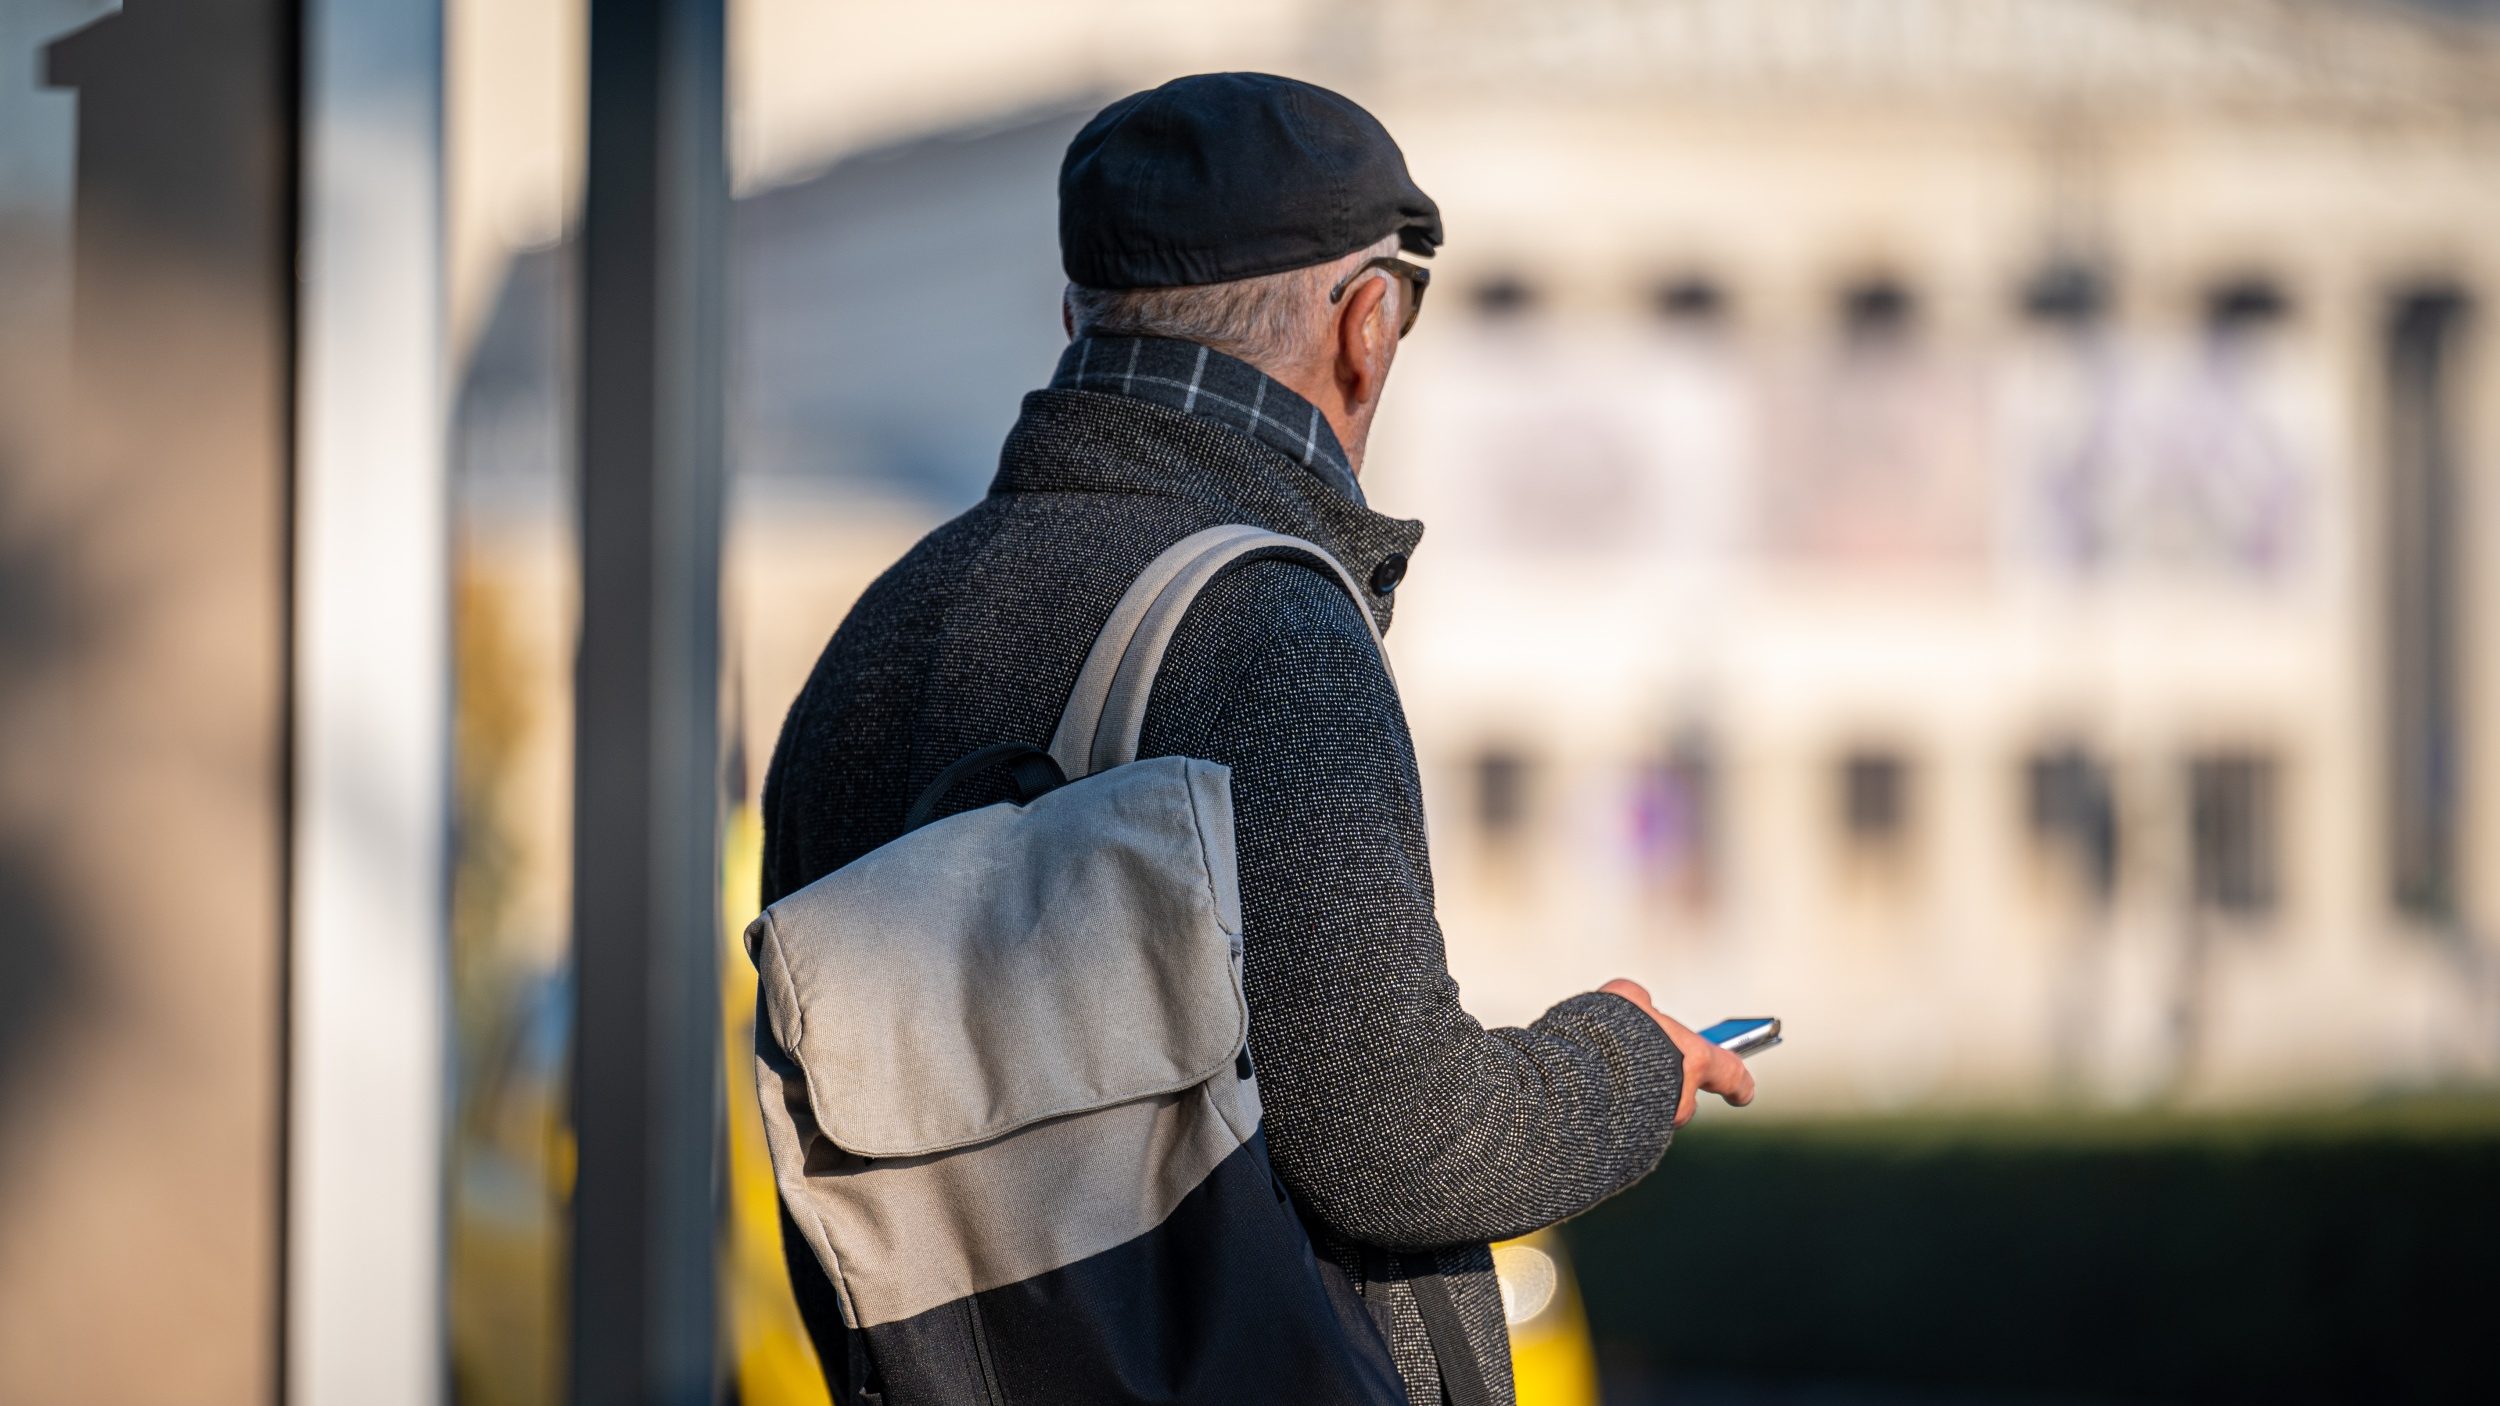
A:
(646, 1073)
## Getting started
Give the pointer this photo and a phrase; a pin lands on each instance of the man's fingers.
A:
(1739, 1090)
(1725, 1074)
(1632, 991)
(1706, 1066)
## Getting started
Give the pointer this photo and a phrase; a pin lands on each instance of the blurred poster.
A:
(2195, 454)
(1875, 457)
(1631, 446)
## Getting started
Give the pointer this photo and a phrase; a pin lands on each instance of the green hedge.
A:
(2347, 1257)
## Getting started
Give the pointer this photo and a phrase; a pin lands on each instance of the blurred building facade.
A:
(1954, 524)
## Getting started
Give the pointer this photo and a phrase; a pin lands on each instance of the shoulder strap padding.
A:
(1106, 711)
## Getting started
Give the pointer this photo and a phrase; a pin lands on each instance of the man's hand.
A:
(1706, 1066)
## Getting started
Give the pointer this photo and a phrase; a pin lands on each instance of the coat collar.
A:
(1099, 440)
(1199, 380)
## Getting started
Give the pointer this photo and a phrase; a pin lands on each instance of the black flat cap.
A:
(1221, 176)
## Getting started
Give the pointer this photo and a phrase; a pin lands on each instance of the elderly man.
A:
(1236, 298)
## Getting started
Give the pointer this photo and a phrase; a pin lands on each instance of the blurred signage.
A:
(2195, 455)
(1875, 456)
(1612, 446)
(2083, 453)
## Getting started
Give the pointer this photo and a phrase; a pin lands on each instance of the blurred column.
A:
(2424, 729)
(146, 397)
(645, 870)
(369, 950)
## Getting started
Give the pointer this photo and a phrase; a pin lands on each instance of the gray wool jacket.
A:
(1398, 1122)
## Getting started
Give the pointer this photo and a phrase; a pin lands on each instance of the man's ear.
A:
(1364, 339)
(1067, 313)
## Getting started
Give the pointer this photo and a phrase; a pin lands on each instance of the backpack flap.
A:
(1015, 963)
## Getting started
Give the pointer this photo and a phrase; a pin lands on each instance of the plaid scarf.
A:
(1201, 381)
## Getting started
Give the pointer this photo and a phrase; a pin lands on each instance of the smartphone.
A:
(1745, 1034)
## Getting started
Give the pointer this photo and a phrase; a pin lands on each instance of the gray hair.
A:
(1268, 321)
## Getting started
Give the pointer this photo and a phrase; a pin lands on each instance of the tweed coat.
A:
(1397, 1121)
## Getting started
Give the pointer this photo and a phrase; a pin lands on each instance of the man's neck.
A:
(1318, 386)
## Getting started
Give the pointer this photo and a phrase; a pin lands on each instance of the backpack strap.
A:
(1072, 746)
(1462, 1376)
(1106, 710)
(1100, 728)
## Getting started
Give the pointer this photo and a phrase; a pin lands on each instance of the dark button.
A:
(1387, 575)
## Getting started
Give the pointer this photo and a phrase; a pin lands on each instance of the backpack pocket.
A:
(996, 1030)
(1015, 963)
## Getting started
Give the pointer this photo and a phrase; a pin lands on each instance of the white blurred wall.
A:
(1981, 538)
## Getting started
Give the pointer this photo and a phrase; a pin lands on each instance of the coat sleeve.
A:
(1397, 1119)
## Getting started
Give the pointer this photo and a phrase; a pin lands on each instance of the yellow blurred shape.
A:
(1550, 1353)
(770, 1352)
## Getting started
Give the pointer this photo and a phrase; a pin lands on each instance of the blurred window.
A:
(1504, 781)
(1691, 301)
(1877, 312)
(2245, 306)
(1504, 296)
(1875, 800)
(2067, 294)
(1676, 822)
(2072, 812)
(2235, 826)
